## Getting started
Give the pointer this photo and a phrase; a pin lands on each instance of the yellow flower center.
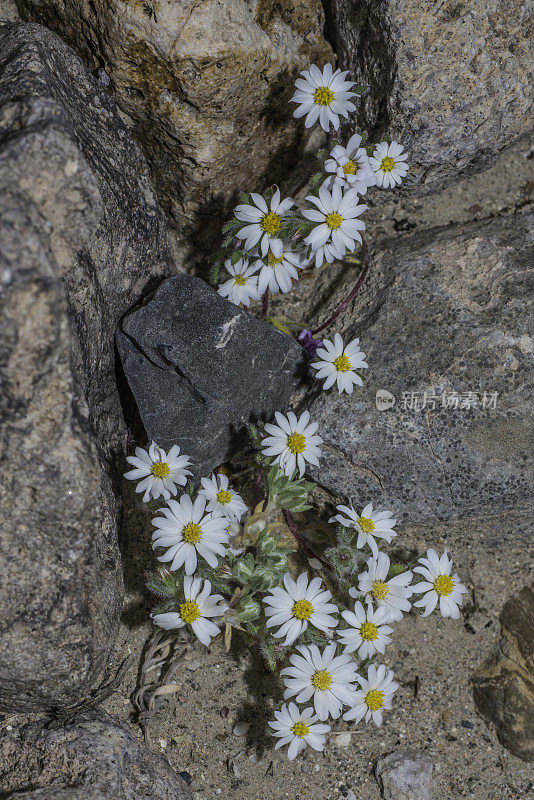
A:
(240, 280)
(321, 680)
(271, 222)
(300, 729)
(334, 220)
(296, 443)
(160, 469)
(192, 533)
(350, 168)
(323, 96)
(302, 609)
(342, 363)
(223, 496)
(387, 164)
(379, 590)
(444, 585)
(369, 631)
(374, 699)
(189, 611)
(272, 260)
(367, 525)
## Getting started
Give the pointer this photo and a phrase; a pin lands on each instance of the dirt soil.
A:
(434, 661)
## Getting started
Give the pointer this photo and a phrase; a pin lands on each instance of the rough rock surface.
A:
(444, 313)
(206, 85)
(72, 182)
(450, 80)
(503, 687)
(200, 368)
(95, 756)
(406, 775)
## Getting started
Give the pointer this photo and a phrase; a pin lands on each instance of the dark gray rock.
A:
(406, 775)
(444, 312)
(200, 368)
(81, 235)
(503, 687)
(94, 757)
(451, 81)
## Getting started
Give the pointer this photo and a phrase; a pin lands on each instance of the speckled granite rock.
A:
(8, 11)
(407, 775)
(94, 757)
(200, 368)
(446, 313)
(206, 86)
(81, 236)
(450, 80)
(503, 687)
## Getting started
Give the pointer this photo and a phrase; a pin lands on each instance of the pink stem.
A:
(265, 302)
(294, 530)
(351, 296)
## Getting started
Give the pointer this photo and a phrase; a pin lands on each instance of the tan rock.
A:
(206, 86)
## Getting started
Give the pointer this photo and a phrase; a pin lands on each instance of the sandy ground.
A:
(434, 661)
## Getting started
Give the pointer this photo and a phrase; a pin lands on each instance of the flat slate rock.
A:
(200, 369)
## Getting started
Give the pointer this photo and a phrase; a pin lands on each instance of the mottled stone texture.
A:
(200, 368)
(503, 687)
(94, 757)
(443, 312)
(451, 80)
(407, 775)
(206, 85)
(81, 235)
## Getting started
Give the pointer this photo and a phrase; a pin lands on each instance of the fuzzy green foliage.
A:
(287, 492)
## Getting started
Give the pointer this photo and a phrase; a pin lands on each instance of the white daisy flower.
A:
(337, 364)
(392, 594)
(297, 729)
(323, 96)
(376, 694)
(161, 472)
(277, 272)
(337, 228)
(221, 498)
(328, 678)
(388, 163)
(242, 287)
(293, 441)
(187, 531)
(370, 525)
(367, 633)
(297, 605)
(439, 585)
(264, 222)
(350, 167)
(197, 606)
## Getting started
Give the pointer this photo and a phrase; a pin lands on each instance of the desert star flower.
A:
(325, 677)
(297, 729)
(197, 606)
(264, 222)
(374, 696)
(337, 229)
(242, 286)
(221, 498)
(187, 531)
(393, 594)
(297, 605)
(160, 472)
(439, 585)
(293, 442)
(367, 633)
(388, 163)
(350, 167)
(277, 272)
(370, 525)
(323, 96)
(338, 364)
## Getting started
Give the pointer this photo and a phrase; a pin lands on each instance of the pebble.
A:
(342, 739)
(306, 768)
(466, 724)
(241, 728)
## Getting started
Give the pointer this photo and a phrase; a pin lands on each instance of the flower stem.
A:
(352, 295)
(265, 302)
(294, 530)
